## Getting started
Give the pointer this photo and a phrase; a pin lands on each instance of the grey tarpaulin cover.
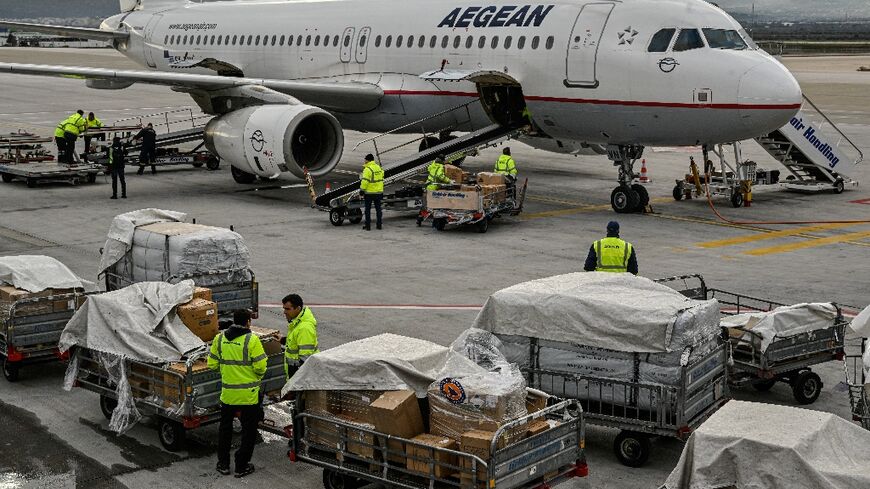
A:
(784, 321)
(383, 362)
(764, 446)
(616, 311)
(120, 237)
(35, 273)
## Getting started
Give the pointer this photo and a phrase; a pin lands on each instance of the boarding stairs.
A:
(814, 150)
(409, 166)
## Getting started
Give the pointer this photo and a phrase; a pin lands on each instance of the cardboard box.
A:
(322, 433)
(273, 348)
(489, 178)
(9, 294)
(322, 402)
(537, 427)
(201, 318)
(359, 442)
(427, 453)
(497, 193)
(202, 293)
(469, 188)
(454, 173)
(477, 443)
(356, 405)
(172, 387)
(535, 400)
(453, 199)
(265, 333)
(397, 413)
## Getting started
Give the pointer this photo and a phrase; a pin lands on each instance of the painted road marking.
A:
(582, 208)
(769, 235)
(813, 243)
(860, 201)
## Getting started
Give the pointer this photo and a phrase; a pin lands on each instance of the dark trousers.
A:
(70, 147)
(61, 149)
(148, 155)
(250, 416)
(369, 200)
(118, 174)
(100, 137)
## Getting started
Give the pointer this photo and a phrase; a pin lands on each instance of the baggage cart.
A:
(24, 147)
(787, 359)
(180, 400)
(471, 208)
(859, 395)
(546, 459)
(406, 199)
(31, 330)
(49, 171)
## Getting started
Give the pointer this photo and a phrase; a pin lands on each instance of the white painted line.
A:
(406, 307)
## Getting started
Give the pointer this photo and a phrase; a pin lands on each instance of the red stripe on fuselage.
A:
(626, 103)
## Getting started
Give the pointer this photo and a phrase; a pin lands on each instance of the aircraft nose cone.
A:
(768, 96)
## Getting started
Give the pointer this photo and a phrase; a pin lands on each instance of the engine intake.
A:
(269, 139)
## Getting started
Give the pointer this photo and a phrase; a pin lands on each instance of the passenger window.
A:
(335, 40)
(362, 41)
(507, 42)
(494, 43)
(290, 40)
(378, 41)
(421, 42)
(410, 41)
(227, 40)
(444, 41)
(317, 40)
(346, 41)
(469, 42)
(399, 41)
(521, 42)
(257, 41)
(724, 39)
(433, 41)
(185, 40)
(235, 38)
(250, 39)
(171, 40)
(535, 41)
(308, 40)
(388, 42)
(688, 39)
(219, 40)
(299, 40)
(456, 41)
(481, 43)
(661, 40)
(275, 39)
(166, 39)
(550, 41)
(198, 38)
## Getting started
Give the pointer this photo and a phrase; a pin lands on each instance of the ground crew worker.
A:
(239, 356)
(72, 126)
(611, 254)
(60, 141)
(93, 123)
(149, 148)
(436, 174)
(372, 188)
(301, 334)
(505, 164)
(117, 161)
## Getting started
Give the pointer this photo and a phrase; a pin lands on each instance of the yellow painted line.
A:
(769, 235)
(583, 208)
(843, 238)
(549, 200)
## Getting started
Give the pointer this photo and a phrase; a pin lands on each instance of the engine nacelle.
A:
(269, 139)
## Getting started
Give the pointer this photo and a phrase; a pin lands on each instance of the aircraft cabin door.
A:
(347, 45)
(583, 45)
(147, 41)
(362, 44)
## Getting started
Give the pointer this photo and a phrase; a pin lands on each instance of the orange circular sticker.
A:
(452, 390)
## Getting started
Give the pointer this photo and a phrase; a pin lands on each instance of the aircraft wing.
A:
(82, 32)
(341, 96)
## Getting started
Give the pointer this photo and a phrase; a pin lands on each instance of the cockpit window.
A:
(748, 39)
(661, 40)
(724, 39)
(688, 39)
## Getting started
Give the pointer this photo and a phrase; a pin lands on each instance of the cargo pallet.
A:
(41, 172)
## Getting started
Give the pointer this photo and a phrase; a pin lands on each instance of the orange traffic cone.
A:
(643, 177)
(328, 188)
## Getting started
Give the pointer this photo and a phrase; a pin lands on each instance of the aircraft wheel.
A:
(241, 176)
(624, 199)
(643, 196)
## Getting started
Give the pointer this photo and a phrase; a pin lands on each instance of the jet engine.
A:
(266, 140)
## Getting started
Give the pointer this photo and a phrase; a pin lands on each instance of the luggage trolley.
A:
(859, 396)
(406, 199)
(546, 459)
(483, 210)
(787, 359)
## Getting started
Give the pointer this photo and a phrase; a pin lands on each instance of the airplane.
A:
(284, 78)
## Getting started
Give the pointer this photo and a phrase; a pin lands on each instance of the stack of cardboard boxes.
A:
(200, 314)
(493, 186)
(9, 295)
(456, 174)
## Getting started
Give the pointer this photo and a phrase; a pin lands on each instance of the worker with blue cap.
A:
(611, 254)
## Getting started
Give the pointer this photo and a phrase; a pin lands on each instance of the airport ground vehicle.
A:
(859, 395)
(543, 460)
(787, 359)
(49, 171)
(180, 396)
(31, 329)
(24, 147)
(477, 209)
(406, 199)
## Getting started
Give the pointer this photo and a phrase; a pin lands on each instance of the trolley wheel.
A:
(419, 221)
(624, 199)
(678, 192)
(74, 182)
(197, 164)
(440, 223)
(356, 216)
(337, 480)
(643, 194)
(336, 217)
(806, 387)
(764, 385)
(6, 177)
(92, 177)
(736, 199)
(839, 186)
(31, 182)
(213, 163)
(632, 448)
(10, 370)
(429, 142)
(107, 405)
(171, 434)
(483, 225)
(790, 178)
(241, 176)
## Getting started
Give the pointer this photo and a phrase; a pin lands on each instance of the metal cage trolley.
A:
(859, 393)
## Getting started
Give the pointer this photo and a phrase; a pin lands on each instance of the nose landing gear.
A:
(628, 197)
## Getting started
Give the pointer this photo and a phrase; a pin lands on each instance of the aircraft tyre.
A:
(624, 199)
(241, 176)
(643, 195)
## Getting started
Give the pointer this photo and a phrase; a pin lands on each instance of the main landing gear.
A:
(628, 196)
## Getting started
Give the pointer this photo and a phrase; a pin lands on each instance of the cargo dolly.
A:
(31, 330)
(180, 400)
(49, 171)
(485, 208)
(24, 147)
(787, 359)
(544, 460)
(859, 393)
(406, 199)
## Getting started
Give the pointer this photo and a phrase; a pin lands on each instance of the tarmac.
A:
(426, 282)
